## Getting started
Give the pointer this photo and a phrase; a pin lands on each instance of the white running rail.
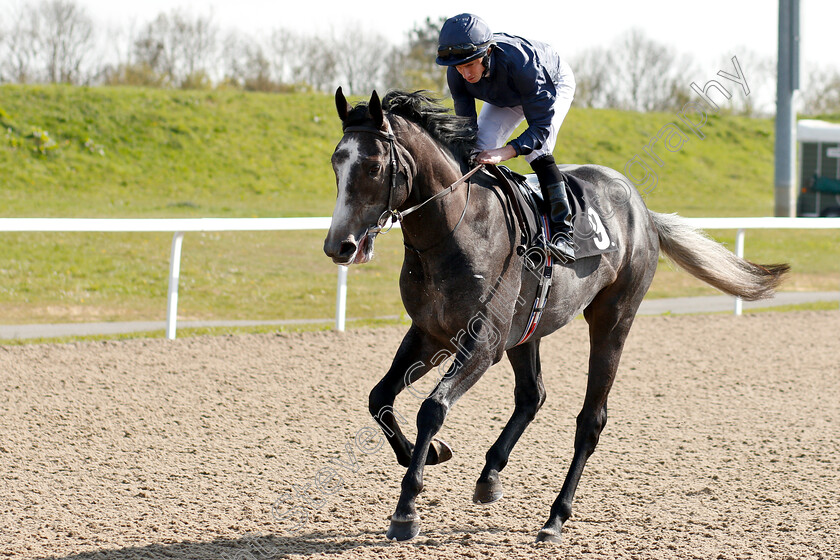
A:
(180, 226)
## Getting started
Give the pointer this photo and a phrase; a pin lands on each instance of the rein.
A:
(400, 215)
(392, 214)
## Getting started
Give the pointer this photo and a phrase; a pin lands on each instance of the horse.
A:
(464, 284)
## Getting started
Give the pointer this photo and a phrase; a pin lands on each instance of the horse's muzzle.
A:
(350, 251)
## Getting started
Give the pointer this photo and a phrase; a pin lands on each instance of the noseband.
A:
(392, 214)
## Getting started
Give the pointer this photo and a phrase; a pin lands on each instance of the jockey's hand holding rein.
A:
(496, 155)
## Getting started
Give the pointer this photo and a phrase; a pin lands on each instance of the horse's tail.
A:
(708, 260)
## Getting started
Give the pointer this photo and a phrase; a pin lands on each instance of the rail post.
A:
(739, 250)
(174, 275)
(341, 299)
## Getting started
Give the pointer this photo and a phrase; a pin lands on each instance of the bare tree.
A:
(178, 47)
(233, 55)
(592, 75)
(758, 96)
(821, 95)
(413, 66)
(360, 59)
(646, 73)
(246, 64)
(197, 40)
(300, 62)
(135, 59)
(316, 65)
(395, 75)
(2, 49)
(635, 73)
(155, 48)
(19, 59)
(117, 54)
(284, 47)
(258, 71)
(65, 38)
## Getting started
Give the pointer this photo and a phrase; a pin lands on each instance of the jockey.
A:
(518, 80)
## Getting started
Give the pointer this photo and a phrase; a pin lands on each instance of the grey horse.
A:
(468, 290)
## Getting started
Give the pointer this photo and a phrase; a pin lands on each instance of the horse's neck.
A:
(434, 170)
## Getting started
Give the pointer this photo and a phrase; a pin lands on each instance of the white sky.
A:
(711, 30)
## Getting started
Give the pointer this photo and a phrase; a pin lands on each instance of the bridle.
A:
(391, 215)
(388, 135)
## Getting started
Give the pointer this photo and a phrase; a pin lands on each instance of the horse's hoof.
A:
(548, 535)
(488, 491)
(439, 451)
(403, 530)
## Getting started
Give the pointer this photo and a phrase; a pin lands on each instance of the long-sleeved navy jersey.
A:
(520, 73)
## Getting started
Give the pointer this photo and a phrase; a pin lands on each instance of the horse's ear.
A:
(341, 104)
(375, 110)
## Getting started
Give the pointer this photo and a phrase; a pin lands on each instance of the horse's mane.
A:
(442, 124)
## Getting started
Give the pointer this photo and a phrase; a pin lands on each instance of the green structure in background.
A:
(819, 168)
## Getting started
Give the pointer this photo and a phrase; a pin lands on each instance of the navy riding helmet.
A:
(463, 38)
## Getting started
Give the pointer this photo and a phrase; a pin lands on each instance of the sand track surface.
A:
(723, 441)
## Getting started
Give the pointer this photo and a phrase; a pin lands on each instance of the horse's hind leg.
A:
(610, 317)
(529, 396)
(411, 362)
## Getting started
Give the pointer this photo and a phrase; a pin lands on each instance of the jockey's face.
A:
(471, 71)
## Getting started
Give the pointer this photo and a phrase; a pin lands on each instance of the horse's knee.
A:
(590, 424)
(530, 402)
(378, 398)
(530, 409)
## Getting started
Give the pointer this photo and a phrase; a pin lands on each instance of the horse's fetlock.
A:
(412, 485)
(564, 512)
(495, 459)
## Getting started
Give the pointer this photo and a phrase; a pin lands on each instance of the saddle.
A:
(591, 235)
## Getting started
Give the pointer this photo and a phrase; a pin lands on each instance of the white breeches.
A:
(497, 124)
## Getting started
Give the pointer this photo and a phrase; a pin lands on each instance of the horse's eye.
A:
(375, 169)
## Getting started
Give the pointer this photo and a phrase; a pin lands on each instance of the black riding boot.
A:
(553, 189)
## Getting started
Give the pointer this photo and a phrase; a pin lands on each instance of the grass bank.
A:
(125, 152)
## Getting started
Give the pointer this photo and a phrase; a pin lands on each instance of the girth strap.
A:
(543, 288)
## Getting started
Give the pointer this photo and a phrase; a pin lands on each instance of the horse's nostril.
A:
(348, 248)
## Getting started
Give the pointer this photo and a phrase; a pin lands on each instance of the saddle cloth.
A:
(591, 234)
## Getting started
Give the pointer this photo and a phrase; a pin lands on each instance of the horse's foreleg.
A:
(412, 360)
(529, 396)
(405, 523)
(608, 329)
